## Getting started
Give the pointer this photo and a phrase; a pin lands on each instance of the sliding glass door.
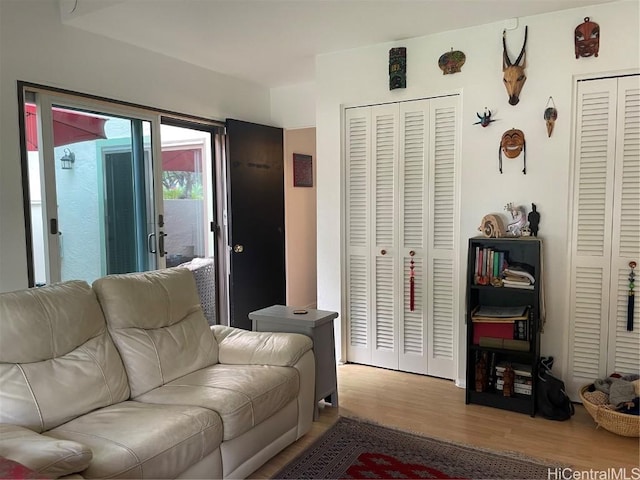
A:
(116, 188)
(92, 192)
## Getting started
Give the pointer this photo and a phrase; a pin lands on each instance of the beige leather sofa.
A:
(125, 379)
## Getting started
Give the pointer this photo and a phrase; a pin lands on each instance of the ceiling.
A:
(274, 42)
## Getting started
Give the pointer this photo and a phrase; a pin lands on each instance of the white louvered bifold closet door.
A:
(384, 155)
(606, 230)
(441, 238)
(358, 272)
(410, 185)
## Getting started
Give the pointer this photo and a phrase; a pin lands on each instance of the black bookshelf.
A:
(488, 343)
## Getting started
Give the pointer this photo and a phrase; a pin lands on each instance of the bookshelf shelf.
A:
(495, 338)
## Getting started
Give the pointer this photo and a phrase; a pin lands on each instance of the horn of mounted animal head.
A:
(514, 76)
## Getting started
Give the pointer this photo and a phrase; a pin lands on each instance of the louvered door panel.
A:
(624, 346)
(414, 131)
(442, 296)
(384, 120)
(384, 353)
(627, 210)
(358, 225)
(385, 156)
(588, 310)
(358, 153)
(592, 223)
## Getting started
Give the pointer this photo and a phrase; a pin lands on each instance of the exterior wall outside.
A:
(300, 222)
(61, 56)
(551, 71)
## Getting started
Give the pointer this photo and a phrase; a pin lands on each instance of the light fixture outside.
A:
(68, 159)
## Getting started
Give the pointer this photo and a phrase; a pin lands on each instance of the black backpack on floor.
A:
(552, 401)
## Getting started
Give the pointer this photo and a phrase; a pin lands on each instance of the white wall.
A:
(36, 47)
(294, 106)
(551, 70)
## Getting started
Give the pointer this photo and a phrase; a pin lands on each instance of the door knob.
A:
(238, 248)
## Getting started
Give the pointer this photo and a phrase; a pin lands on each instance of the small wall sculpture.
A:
(451, 62)
(397, 68)
(485, 118)
(550, 116)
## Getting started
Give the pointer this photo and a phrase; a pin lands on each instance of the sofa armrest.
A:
(242, 347)
(45, 455)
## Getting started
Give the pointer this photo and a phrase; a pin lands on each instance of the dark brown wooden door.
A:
(256, 218)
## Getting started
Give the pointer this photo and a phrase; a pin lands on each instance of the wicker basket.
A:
(616, 422)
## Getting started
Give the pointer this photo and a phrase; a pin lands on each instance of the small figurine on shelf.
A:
(508, 377)
(481, 373)
(518, 219)
(534, 220)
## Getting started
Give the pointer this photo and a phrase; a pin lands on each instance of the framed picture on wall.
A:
(302, 170)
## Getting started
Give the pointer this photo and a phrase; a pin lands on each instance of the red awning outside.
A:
(69, 126)
(184, 160)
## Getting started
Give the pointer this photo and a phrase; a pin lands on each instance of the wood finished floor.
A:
(436, 408)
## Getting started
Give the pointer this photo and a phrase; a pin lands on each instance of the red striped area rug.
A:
(359, 450)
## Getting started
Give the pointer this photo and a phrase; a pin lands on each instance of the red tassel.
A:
(412, 293)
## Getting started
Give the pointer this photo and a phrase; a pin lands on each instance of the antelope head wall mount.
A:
(514, 76)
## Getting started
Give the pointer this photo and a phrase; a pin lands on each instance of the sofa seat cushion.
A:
(243, 395)
(138, 440)
(51, 457)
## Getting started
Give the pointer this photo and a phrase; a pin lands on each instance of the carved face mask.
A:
(587, 39)
(513, 144)
(514, 76)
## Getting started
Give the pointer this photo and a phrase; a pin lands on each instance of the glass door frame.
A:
(45, 101)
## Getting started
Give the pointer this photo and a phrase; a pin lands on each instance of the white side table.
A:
(317, 324)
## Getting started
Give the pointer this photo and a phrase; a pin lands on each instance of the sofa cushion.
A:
(50, 456)
(243, 395)
(157, 324)
(54, 344)
(138, 440)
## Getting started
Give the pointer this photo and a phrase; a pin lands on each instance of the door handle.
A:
(161, 236)
(150, 242)
(237, 248)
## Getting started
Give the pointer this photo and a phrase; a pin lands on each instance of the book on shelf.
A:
(488, 264)
(504, 343)
(525, 286)
(520, 369)
(519, 272)
(501, 311)
(517, 388)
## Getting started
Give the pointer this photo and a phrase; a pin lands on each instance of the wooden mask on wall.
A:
(587, 39)
(397, 68)
(513, 144)
(514, 76)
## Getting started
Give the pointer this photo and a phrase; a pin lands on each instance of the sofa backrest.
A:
(57, 360)
(157, 324)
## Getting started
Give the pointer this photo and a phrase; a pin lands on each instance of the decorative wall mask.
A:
(550, 115)
(587, 39)
(514, 76)
(397, 68)
(451, 62)
(485, 119)
(513, 144)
